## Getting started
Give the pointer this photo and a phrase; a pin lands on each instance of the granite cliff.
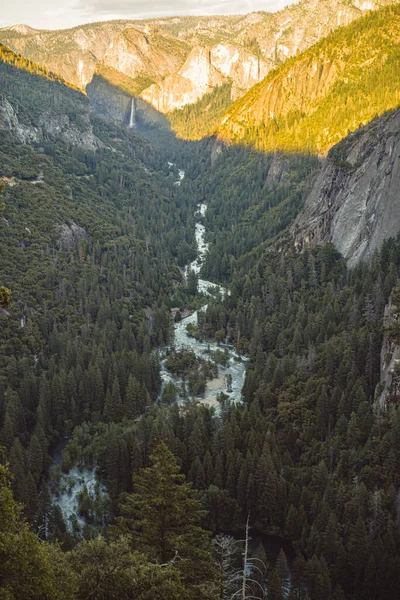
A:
(355, 200)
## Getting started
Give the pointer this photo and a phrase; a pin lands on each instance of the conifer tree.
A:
(163, 516)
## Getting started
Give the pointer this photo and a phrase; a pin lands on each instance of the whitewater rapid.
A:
(236, 364)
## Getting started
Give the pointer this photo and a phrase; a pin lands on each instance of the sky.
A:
(61, 14)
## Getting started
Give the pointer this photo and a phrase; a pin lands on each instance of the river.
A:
(236, 364)
(66, 490)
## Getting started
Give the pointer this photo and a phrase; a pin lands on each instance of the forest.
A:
(94, 235)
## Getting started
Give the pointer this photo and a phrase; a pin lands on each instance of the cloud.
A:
(60, 14)
(158, 8)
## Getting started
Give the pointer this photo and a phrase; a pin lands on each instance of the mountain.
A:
(354, 202)
(151, 54)
(75, 53)
(204, 70)
(178, 60)
(263, 44)
(315, 99)
(72, 53)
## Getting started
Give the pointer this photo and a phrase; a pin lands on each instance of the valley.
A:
(199, 306)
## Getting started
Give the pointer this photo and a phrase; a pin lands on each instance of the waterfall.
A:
(132, 115)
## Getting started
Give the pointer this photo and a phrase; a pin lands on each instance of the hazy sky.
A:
(59, 14)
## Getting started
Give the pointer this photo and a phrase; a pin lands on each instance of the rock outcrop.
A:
(49, 124)
(148, 54)
(355, 200)
(71, 235)
(9, 122)
(388, 389)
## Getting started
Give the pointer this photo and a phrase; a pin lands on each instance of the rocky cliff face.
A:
(70, 235)
(72, 53)
(9, 122)
(239, 48)
(204, 70)
(300, 25)
(48, 124)
(355, 200)
(112, 102)
(148, 54)
(197, 77)
(388, 390)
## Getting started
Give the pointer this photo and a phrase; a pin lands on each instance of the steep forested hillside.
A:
(91, 236)
(199, 120)
(315, 99)
(7, 56)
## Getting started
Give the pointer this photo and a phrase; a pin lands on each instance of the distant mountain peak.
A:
(21, 28)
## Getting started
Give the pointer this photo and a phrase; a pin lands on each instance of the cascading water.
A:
(67, 487)
(236, 364)
(132, 115)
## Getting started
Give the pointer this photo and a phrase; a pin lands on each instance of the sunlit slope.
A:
(316, 98)
(9, 57)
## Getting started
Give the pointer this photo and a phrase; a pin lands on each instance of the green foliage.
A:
(170, 393)
(305, 455)
(5, 297)
(16, 60)
(130, 85)
(88, 311)
(28, 568)
(313, 100)
(163, 516)
(251, 197)
(199, 120)
(95, 569)
(112, 570)
(197, 371)
(180, 362)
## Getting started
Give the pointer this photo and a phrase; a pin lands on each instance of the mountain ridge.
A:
(255, 42)
(314, 99)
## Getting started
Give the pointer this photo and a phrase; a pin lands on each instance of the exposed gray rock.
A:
(216, 151)
(9, 121)
(71, 235)
(57, 124)
(355, 202)
(279, 166)
(50, 124)
(388, 390)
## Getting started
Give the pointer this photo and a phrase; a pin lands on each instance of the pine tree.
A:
(28, 568)
(163, 516)
(113, 571)
(358, 551)
(35, 458)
